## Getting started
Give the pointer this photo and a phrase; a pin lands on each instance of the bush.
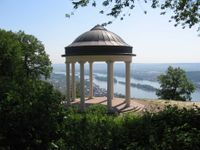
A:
(169, 129)
(97, 109)
(43, 124)
(177, 128)
(30, 116)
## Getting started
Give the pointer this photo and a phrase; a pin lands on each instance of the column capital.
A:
(109, 62)
(82, 62)
(91, 62)
(127, 62)
(67, 62)
(73, 62)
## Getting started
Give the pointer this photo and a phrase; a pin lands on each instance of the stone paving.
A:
(117, 103)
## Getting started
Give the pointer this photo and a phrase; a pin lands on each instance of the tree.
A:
(31, 113)
(175, 85)
(22, 55)
(31, 116)
(184, 12)
(36, 61)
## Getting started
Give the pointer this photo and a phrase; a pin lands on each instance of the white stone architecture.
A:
(96, 45)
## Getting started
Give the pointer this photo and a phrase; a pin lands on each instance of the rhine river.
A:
(135, 92)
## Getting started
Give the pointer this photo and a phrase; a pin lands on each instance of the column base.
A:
(111, 110)
(128, 103)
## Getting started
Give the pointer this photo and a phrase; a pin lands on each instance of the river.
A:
(135, 92)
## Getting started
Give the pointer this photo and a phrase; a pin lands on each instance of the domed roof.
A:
(98, 41)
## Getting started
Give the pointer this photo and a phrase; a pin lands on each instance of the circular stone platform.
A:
(118, 104)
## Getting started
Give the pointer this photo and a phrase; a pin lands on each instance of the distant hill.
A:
(194, 76)
(144, 67)
(140, 71)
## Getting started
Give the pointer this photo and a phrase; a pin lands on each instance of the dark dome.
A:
(98, 41)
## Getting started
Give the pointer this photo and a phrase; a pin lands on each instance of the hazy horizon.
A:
(120, 62)
(138, 66)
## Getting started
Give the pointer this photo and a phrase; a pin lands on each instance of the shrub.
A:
(97, 109)
(30, 116)
(169, 129)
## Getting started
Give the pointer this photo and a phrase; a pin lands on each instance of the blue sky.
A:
(153, 38)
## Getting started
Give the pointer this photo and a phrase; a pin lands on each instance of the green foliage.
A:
(175, 85)
(30, 116)
(184, 12)
(31, 113)
(177, 128)
(9, 55)
(22, 56)
(170, 129)
(36, 61)
(97, 109)
(91, 126)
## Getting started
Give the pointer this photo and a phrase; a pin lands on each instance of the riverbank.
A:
(59, 82)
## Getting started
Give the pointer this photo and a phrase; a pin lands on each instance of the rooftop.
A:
(98, 41)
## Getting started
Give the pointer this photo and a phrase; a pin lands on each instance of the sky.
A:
(153, 38)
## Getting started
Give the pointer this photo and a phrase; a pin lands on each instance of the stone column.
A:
(110, 83)
(127, 96)
(68, 82)
(91, 80)
(82, 85)
(73, 82)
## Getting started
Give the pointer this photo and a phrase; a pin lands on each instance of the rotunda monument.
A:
(96, 45)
